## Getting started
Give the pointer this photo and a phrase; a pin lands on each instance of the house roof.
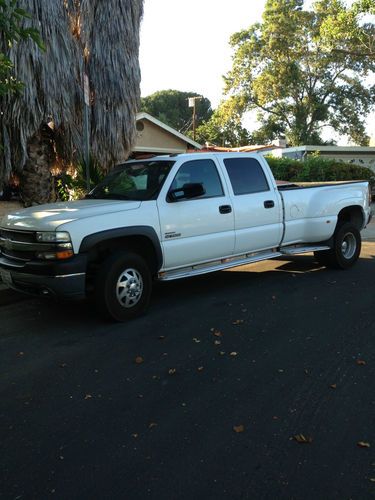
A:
(167, 128)
(243, 149)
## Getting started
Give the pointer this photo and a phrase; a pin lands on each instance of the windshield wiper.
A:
(109, 196)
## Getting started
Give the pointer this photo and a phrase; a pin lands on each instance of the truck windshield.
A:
(133, 181)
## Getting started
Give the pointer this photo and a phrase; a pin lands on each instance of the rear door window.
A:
(246, 175)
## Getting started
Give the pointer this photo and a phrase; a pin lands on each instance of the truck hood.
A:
(49, 217)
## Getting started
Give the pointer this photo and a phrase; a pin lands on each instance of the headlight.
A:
(53, 237)
(59, 247)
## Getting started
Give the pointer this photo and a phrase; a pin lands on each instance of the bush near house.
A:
(317, 169)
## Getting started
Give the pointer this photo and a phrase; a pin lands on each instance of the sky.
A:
(185, 45)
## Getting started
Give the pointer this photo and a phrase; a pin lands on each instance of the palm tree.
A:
(43, 124)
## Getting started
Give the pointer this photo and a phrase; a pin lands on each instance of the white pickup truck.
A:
(173, 217)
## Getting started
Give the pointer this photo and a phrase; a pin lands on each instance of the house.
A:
(155, 137)
(364, 156)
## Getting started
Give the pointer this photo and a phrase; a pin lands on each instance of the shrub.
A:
(317, 169)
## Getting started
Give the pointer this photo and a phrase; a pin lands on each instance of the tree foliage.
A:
(224, 128)
(286, 69)
(318, 169)
(12, 31)
(79, 35)
(171, 107)
(350, 31)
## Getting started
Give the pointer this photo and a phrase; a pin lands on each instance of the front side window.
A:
(246, 175)
(133, 181)
(202, 172)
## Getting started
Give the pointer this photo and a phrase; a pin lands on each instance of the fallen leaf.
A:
(333, 386)
(233, 353)
(152, 424)
(237, 322)
(217, 342)
(301, 438)
(200, 368)
(217, 333)
(372, 479)
(139, 360)
(238, 428)
(134, 435)
(360, 362)
(222, 353)
(88, 396)
(197, 341)
(172, 371)
(363, 444)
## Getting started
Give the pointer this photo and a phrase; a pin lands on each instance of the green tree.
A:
(284, 68)
(171, 107)
(42, 125)
(224, 128)
(346, 31)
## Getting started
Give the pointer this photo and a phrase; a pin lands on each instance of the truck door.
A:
(256, 204)
(197, 229)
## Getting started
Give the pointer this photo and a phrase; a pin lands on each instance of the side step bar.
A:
(294, 250)
(239, 260)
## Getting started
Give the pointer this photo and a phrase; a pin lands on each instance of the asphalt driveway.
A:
(252, 383)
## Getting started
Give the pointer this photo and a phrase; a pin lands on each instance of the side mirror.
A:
(186, 192)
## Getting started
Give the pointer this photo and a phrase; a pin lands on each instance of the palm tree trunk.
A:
(36, 182)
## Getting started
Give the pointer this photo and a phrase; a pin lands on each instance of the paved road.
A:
(294, 353)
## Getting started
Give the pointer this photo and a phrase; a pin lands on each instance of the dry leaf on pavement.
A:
(237, 322)
(301, 438)
(139, 360)
(238, 428)
(172, 371)
(363, 444)
(360, 362)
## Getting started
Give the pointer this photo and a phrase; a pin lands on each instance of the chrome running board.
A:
(239, 260)
(217, 265)
(295, 250)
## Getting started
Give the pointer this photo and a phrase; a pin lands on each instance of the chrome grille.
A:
(18, 245)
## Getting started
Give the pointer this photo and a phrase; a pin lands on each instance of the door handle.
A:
(269, 204)
(225, 209)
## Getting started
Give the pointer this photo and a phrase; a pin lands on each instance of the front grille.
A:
(21, 236)
(18, 245)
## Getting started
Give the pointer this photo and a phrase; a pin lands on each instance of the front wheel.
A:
(123, 286)
(346, 248)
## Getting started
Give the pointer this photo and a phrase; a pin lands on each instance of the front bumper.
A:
(60, 279)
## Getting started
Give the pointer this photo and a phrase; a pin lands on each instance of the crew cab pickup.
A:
(173, 217)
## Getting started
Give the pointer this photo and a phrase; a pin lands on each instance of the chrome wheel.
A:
(129, 288)
(348, 245)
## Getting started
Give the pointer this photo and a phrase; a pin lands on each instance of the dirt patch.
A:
(9, 206)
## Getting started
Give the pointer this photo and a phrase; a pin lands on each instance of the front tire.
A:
(123, 286)
(346, 248)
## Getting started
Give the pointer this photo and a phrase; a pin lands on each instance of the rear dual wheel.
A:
(346, 248)
(123, 286)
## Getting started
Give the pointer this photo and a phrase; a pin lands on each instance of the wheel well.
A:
(351, 214)
(141, 245)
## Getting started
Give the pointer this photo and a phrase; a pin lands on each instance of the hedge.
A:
(317, 169)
